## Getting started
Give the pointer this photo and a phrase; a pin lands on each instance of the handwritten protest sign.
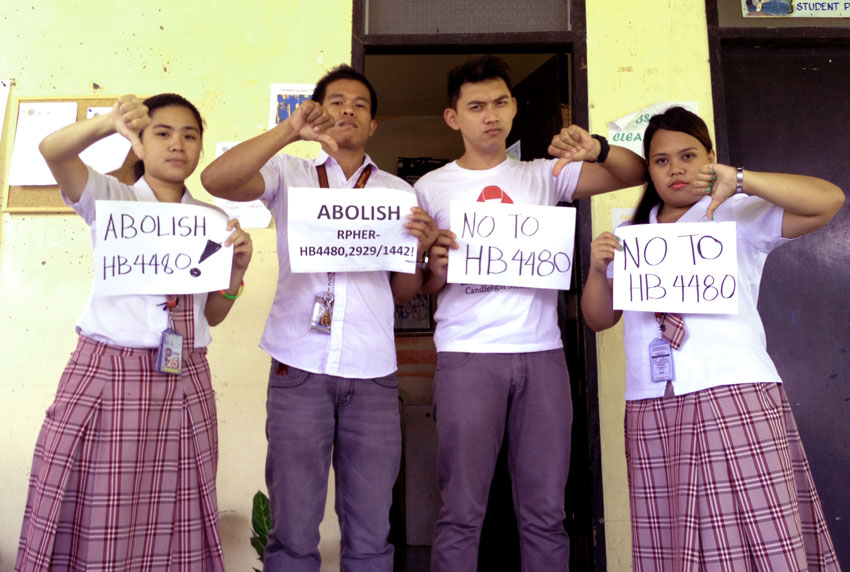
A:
(160, 248)
(683, 267)
(512, 245)
(350, 230)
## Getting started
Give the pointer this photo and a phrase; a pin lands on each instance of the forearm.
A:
(405, 286)
(597, 302)
(236, 174)
(798, 194)
(61, 151)
(621, 169)
(433, 282)
(625, 166)
(68, 142)
(218, 305)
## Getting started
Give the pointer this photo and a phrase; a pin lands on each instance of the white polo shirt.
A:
(719, 349)
(362, 340)
(130, 321)
(496, 319)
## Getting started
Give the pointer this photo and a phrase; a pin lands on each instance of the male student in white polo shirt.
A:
(333, 391)
(501, 371)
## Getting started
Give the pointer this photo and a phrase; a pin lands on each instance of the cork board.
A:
(46, 198)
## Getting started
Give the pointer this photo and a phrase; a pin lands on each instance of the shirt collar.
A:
(324, 159)
(144, 192)
(694, 214)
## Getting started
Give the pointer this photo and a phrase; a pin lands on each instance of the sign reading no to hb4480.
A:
(512, 245)
(682, 267)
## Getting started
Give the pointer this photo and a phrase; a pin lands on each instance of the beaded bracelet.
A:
(234, 296)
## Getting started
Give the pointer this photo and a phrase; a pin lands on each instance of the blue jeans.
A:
(479, 399)
(310, 418)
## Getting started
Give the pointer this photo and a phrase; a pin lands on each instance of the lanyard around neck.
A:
(322, 172)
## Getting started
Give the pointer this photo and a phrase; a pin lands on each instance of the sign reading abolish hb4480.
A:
(350, 230)
(512, 244)
(160, 248)
(682, 267)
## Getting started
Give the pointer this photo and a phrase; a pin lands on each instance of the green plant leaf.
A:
(261, 518)
(259, 545)
(261, 521)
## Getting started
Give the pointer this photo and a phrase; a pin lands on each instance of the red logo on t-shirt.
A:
(494, 193)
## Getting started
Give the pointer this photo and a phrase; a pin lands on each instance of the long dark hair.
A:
(164, 100)
(674, 119)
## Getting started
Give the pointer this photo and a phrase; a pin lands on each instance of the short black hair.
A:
(674, 119)
(165, 100)
(344, 71)
(477, 69)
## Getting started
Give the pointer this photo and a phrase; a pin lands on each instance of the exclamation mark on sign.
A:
(210, 249)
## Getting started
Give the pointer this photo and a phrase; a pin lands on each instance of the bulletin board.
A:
(46, 198)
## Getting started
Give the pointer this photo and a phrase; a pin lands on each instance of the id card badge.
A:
(169, 356)
(661, 360)
(322, 314)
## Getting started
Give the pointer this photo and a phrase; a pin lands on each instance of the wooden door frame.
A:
(574, 42)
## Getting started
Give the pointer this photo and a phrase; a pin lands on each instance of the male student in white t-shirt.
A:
(501, 370)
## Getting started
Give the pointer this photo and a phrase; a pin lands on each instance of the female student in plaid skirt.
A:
(718, 479)
(123, 476)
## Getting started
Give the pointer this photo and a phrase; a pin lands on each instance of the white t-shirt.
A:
(130, 321)
(361, 344)
(718, 349)
(496, 319)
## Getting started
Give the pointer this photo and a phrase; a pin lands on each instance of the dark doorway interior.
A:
(787, 110)
(413, 121)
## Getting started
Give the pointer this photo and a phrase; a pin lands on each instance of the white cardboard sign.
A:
(350, 230)
(682, 267)
(160, 248)
(512, 244)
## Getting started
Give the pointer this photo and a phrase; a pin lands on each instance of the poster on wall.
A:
(627, 131)
(795, 9)
(285, 97)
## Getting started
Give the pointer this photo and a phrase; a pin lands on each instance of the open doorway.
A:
(411, 139)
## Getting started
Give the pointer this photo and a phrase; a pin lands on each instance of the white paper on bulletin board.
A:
(109, 153)
(627, 131)
(36, 121)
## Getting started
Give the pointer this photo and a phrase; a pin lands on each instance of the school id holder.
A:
(661, 360)
(323, 309)
(169, 355)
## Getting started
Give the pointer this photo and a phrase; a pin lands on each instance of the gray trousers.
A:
(479, 399)
(312, 420)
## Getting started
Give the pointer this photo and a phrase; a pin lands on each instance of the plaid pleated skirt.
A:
(718, 480)
(123, 476)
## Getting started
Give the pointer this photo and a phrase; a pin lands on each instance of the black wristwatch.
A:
(604, 149)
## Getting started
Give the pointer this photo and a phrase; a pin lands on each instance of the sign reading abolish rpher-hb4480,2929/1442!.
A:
(160, 248)
(682, 267)
(350, 230)
(512, 245)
